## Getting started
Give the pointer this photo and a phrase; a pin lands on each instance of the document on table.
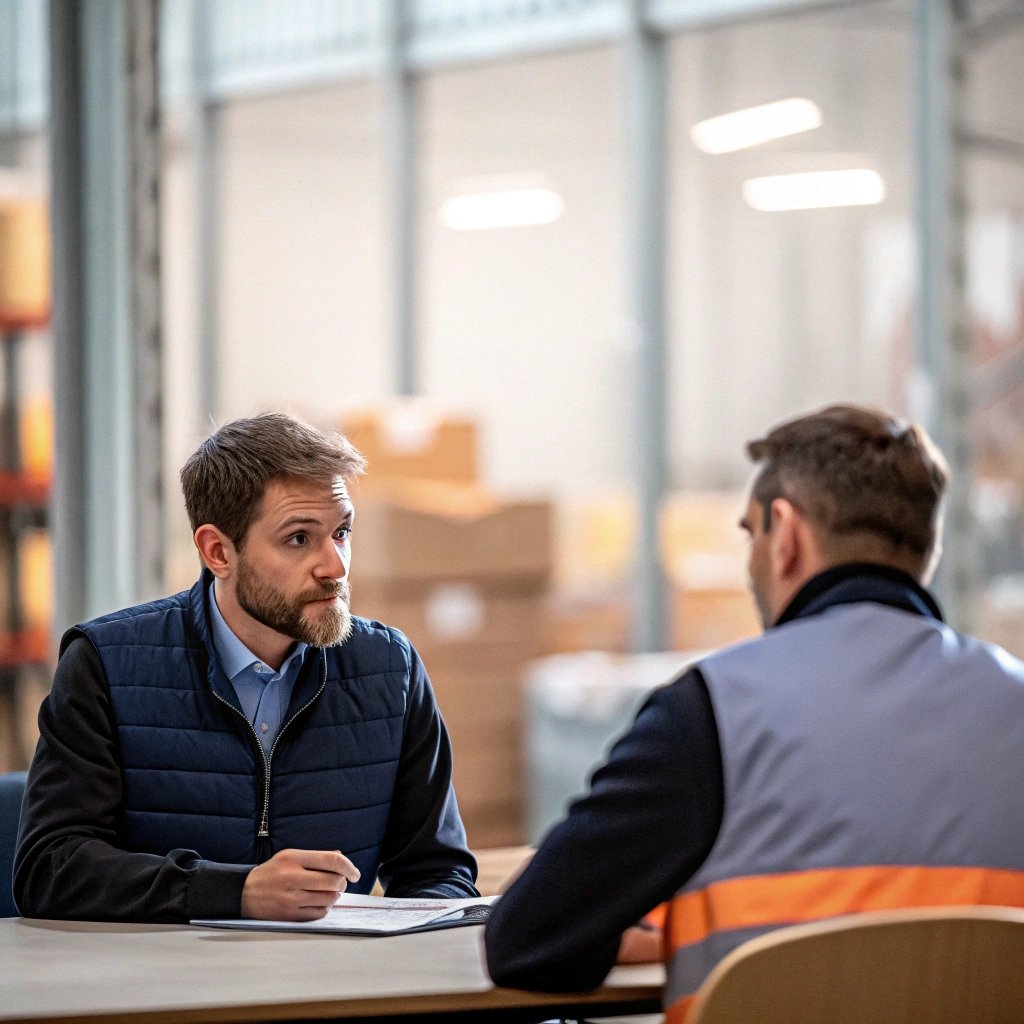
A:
(374, 915)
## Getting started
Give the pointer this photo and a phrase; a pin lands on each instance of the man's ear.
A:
(786, 538)
(215, 549)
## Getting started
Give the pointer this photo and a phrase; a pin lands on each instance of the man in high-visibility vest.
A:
(859, 755)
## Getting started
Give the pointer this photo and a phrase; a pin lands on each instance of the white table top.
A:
(50, 970)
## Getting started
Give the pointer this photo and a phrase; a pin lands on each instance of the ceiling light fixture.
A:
(753, 126)
(815, 190)
(507, 208)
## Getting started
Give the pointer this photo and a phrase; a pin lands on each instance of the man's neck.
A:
(271, 647)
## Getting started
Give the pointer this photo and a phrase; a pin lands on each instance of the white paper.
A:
(371, 915)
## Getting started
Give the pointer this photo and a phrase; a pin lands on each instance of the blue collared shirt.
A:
(262, 692)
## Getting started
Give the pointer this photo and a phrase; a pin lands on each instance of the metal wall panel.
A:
(23, 80)
(677, 15)
(282, 43)
(285, 44)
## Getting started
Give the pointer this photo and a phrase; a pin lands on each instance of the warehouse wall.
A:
(527, 326)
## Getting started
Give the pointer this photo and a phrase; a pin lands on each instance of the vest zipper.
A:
(263, 832)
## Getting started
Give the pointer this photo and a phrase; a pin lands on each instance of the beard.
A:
(325, 626)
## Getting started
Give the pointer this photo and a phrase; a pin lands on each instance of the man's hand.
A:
(297, 885)
(640, 945)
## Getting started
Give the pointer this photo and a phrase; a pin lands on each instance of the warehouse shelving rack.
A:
(24, 501)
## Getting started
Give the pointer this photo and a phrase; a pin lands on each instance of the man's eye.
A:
(344, 533)
(298, 539)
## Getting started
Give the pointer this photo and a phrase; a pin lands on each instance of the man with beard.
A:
(246, 748)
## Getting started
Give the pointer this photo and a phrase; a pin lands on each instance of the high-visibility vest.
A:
(873, 759)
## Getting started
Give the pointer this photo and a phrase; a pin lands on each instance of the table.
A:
(166, 974)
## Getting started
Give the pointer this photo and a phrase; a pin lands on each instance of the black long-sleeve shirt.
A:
(69, 863)
(648, 822)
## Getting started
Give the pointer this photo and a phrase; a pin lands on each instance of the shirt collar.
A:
(234, 656)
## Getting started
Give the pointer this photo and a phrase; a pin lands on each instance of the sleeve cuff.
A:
(216, 890)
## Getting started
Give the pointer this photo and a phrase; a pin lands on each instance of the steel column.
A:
(645, 181)
(203, 144)
(400, 86)
(102, 209)
(70, 470)
(944, 351)
(143, 109)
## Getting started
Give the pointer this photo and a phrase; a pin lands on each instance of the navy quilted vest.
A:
(193, 771)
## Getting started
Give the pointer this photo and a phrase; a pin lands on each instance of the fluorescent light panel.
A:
(815, 190)
(518, 207)
(753, 126)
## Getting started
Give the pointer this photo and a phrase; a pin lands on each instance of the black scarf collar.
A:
(861, 581)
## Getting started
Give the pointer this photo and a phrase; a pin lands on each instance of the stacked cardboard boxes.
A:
(703, 554)
(24, 260)
(705, 558)
(411, 439)
(463, 573)
(591, 596)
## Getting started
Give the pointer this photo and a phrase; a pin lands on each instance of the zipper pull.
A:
(264, 832)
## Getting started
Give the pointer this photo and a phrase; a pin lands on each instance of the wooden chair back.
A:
(928, 966)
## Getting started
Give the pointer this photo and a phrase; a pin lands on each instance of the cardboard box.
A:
(439, 532)
(24, 259)
(488, 762)
(486, 622)
(999, 613)
(703, 522)
(37, 439)
(596, 540)
(588, 620)
(598, 537)
(495, 825)
(705, 558)
(484, 713)
(35, 555)
(703, 620)
(481, 659)
(472, 699)
(411, 440)
(35, 586)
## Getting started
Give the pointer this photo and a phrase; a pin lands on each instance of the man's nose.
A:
(333, 565)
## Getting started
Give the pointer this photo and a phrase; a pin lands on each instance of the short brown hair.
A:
(869, 483)
(224, 479)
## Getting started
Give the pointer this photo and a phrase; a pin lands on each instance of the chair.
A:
(12, 787)
(928, 966)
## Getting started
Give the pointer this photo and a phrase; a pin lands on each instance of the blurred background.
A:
(550, 264)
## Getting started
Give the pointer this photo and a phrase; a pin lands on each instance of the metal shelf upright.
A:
(24, 498)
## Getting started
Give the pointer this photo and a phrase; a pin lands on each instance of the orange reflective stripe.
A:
(760, 900)
(679, 1010)
(656, 917)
